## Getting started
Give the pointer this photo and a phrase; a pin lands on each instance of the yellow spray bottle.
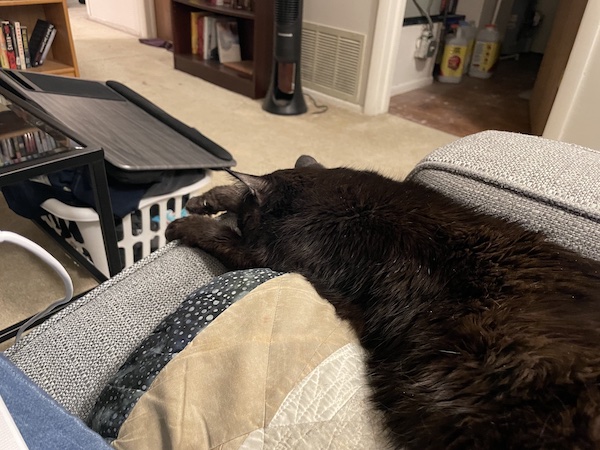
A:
(454, 57)
(485, 53)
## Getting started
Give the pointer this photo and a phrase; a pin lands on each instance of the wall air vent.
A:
(333, 61)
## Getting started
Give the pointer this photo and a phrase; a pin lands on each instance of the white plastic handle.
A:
(9, 236)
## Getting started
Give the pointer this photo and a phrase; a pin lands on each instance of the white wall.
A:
(386, 40)
(574, 114)
(358, 17)
(352, 16)
(411, 73)
(413, 11)
(481, 12)
(131, 16)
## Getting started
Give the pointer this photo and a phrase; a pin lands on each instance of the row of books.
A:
(248, 5)
(204, 35)
(214, 37)
(19, 50)
(25, 147)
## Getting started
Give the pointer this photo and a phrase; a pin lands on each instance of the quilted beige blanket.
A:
(277, 370)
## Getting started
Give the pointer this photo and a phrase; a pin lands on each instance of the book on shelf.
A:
(10, 47)
(234, 4)
(47, 46)
(25, 147)
(228, 41)
(3, 52)
(18, 39)
(38, 40)
(204, 35)
(15, 45)
(25, 36)
(197, 32)
(211, 49)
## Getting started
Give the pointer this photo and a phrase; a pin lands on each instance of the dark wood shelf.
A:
(220, 10)
(256, 42)
(216, 73)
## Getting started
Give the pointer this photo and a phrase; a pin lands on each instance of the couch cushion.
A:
(548, 186)
(77, 351)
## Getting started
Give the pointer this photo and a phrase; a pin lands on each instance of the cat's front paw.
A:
(210, 235)
(201, 205)
(218, 199)
(189, 229)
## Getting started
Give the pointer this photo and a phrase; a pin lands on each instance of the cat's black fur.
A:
(479, 333)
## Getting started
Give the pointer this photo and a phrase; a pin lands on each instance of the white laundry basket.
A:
(138, 234)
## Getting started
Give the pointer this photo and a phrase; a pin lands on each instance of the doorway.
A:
(498, 103)
(519, 95)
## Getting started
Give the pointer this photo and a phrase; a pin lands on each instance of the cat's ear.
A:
(307, 161)
(258, 186)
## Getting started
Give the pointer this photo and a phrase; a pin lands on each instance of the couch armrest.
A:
(548, 186)
(73, 354)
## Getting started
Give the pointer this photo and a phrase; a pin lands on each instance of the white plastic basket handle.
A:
(9, 236)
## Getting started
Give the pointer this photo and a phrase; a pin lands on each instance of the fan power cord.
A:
(320, 108)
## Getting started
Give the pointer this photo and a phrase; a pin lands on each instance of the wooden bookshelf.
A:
(256, 41)
(61, 59)
(12, 125)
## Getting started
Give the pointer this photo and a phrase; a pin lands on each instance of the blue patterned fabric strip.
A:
(170, 337)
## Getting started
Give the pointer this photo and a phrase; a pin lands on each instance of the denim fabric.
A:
(43, 423)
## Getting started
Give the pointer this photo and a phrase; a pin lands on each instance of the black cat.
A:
(479, 333)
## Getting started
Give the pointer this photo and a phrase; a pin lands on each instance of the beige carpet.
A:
(260, 142)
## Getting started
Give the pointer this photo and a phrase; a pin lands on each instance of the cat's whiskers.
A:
(451, 352)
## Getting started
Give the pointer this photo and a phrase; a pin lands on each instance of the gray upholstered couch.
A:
(548, 186)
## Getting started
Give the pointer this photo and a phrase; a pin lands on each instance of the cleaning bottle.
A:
(453, 59)
(469, 32)
(485, 53)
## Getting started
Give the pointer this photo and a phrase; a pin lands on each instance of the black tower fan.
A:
(285, 92)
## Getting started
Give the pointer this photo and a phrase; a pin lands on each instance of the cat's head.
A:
(263, 187)
(275, 192)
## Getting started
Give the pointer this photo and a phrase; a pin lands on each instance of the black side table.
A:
(73, 154)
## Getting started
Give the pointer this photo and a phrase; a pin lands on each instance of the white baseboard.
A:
(136, 18)
(410, 86)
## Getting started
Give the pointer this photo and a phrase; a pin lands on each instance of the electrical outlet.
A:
(431, 48)
(425, 46)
